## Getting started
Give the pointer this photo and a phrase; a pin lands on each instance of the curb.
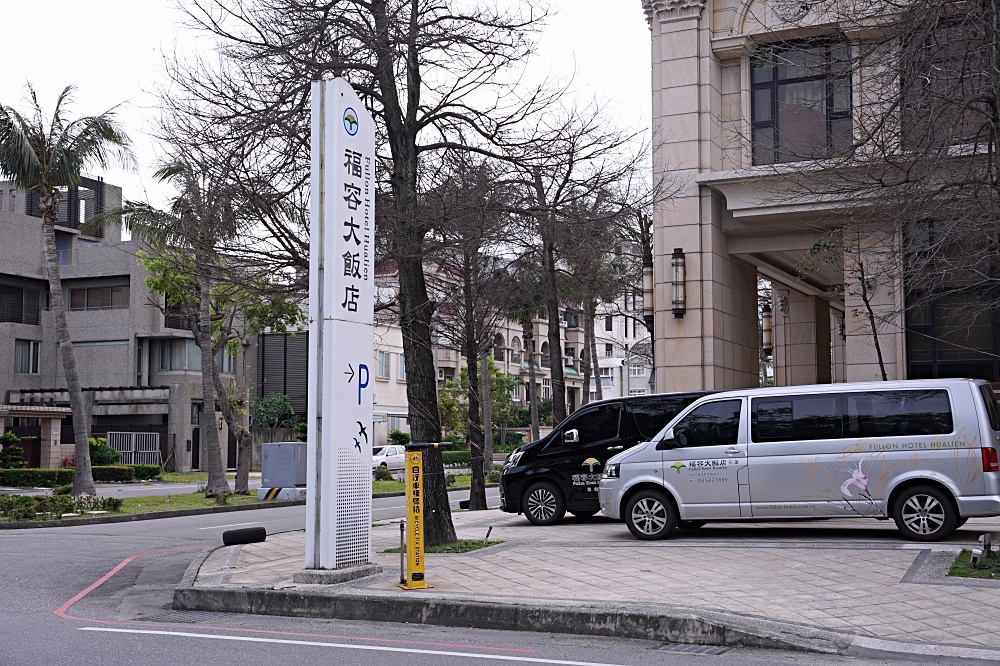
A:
(152, 515)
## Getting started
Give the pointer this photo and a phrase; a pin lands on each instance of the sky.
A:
(112, 51)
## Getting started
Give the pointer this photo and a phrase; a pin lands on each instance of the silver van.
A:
(922, 452)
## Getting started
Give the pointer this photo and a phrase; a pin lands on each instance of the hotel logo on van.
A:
(591, 463)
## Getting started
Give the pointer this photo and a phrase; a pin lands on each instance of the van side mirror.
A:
(668, 442)
(571, 436)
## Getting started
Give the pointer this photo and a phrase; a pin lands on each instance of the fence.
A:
(136, 448)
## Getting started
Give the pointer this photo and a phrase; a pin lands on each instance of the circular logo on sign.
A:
(351, 121)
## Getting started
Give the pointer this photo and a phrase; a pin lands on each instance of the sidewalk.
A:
(849, 587)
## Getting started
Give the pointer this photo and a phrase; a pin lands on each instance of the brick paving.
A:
(847, 575)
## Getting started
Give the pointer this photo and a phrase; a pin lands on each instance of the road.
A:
(100, 594)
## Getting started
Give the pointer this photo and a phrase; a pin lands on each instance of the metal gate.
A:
(136, 448)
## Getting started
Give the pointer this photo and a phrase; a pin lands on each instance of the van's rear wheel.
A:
(924, 513)
(650, 515)
(544, 504)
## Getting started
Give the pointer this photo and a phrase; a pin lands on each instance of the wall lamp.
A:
(680, 277)
(767, 330)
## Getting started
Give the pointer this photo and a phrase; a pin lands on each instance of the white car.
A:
(392, 457)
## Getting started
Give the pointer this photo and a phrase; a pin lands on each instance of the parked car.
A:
(922, 452)
(392, 456)
(561, 471)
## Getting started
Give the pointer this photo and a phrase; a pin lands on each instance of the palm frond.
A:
(18, 159)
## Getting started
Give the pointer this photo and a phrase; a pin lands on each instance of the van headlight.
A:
(611, 470)
(513, 459)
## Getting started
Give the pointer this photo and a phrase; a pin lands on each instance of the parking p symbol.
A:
(362, 379)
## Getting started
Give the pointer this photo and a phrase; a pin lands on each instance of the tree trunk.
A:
(554, 334)
(484, 391)
(477, 491)
(83, 475)
(591, 315)
(585, 357)
(529, 345)
(217, 483)
(239, 427)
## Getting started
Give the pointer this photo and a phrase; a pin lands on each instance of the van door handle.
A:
(733, 451)
(615, 448)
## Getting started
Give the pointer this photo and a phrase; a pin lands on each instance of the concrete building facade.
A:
(735, 220)
(140, 365)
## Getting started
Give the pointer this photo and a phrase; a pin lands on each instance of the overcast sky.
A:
(112, 51)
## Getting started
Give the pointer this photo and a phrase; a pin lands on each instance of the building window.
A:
(99, 298)
(605, 372)
(636, 371)
(546, 388)
(26, 356)
(181, 355)
(19, 305)
(609, 323)
(801, 102)
(608, 350)
(402, 368)
(382, 367)
(637, 392)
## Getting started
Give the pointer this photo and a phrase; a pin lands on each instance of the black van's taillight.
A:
(990, 463)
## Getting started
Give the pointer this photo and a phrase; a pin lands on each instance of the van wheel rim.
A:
(923, 514)
(649, 516)
(542, 504)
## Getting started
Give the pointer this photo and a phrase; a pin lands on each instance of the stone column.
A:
(801, 339)
(714, 344)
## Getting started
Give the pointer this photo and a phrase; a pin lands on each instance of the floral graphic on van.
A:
(678, 466)
(591, 462)
(856, 496)
(858, 479)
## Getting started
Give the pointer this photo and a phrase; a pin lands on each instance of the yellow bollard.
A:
(414, 522)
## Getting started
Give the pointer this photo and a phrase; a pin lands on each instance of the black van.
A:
(561, 471)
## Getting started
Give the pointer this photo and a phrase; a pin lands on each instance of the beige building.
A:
(724, 125)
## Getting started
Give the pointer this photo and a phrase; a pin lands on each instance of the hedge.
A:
(52, 478)
(113, 473)
(36, 478)
(456, 457)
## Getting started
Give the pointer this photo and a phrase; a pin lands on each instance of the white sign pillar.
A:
(341, 329)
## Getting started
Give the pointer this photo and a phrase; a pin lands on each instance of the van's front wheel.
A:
(544, 504)
(924, 513)
(650, 515)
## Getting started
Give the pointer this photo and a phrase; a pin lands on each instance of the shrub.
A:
(113, 473)
(450, 479)
(101, 454)
(145, 472)
(95, 503)
(493, 476)
(456, 457)
(69, 461)
(35, 477)
(457, 440)
(382, 474)
(63, 490)
(11, 455)
(399, 437)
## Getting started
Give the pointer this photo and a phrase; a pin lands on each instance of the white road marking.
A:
(219, 527)
(374, 648)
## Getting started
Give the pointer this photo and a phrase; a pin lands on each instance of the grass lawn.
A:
(460, 546)
(961, 566)
(193, 500)
(461, 481)
(187, 477)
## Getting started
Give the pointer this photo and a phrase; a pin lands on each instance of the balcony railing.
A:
(498, 354)
(515, 357)
(17, 313)
(546, 362)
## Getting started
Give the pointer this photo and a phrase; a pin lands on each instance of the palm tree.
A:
(45, 157)
(186, 240)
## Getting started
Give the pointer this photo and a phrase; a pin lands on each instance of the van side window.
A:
(595, 425)
(711, 424)
(893, 413)
(990, 400)
(800, 418)
(649, 416)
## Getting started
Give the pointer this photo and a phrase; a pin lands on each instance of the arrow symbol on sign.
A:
(351, 373)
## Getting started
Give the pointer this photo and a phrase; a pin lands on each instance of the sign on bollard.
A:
(414, 579)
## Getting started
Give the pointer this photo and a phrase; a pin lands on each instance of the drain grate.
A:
(185, 617)
(695, 649)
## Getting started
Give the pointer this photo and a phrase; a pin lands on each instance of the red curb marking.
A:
(62, 612)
